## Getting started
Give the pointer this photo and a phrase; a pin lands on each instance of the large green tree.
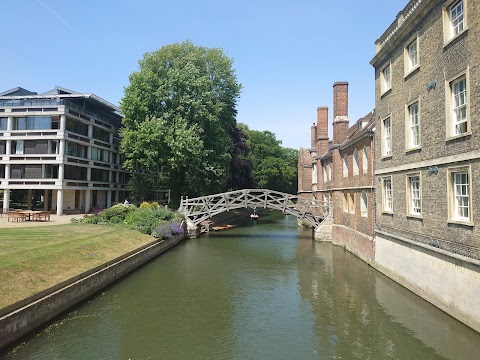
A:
(274, 167)
(179, 123)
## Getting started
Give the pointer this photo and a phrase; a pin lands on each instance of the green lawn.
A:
(33, 259)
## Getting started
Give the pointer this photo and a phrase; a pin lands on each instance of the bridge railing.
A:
(202, 208)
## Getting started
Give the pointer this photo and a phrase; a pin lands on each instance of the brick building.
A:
(427, 162)
(342, 171)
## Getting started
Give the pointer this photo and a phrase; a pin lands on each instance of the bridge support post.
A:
(193, 230)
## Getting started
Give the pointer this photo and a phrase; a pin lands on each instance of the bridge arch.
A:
(202, 208)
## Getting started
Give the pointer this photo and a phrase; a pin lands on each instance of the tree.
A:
(180, 110)
(273, 166)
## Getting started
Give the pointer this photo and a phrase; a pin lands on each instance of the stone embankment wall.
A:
(21, 318)
(449, 281)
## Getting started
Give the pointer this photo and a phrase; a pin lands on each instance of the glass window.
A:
(456, 18)
(32, 123)
(387, 81)
(387, 195)
(3, 123)
(76, 126)
(19, 147)
(459, 98)
(101, 134)
(387, 137)
(412, 55)
(414, 125)
(461, 196)
(415, 201)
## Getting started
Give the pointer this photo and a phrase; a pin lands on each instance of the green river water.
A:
(263, 290)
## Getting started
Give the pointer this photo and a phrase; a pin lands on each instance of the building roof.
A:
(58, 92)
(18, 91)
(355, 133)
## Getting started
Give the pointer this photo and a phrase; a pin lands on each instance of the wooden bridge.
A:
(202, 208)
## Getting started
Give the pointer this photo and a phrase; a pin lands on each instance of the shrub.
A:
(76, 220)
(176, 228)
(154, 205)
(145, 205)
(163, 230)
(143, 220)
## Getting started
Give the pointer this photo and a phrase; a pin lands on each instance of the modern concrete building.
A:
(427, 162)
(59, 151)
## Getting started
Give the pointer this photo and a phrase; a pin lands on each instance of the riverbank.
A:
(46, 270)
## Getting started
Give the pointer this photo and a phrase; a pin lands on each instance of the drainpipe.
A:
(372, 157)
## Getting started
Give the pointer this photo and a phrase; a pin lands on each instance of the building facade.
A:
(427, 162)
(342, 173)
(59, 151)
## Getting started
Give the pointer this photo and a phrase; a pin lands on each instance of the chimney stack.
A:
(322, 130)
(340, 112)
(313, 137)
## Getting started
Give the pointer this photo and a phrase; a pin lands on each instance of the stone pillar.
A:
(45, 200)
(6, 199)
(7, 171)
(109, 199)
(117, 196)
(8, 147)
(193, 230)
(88, 200)
(61, 169)
(63, 122)
(9, 123)
(61, 147)
(29, 199)
(90, 131)
(60, 202)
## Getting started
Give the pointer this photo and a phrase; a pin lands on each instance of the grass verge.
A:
(36, 258)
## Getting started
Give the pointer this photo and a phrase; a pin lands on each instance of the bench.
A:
(42, 216)
(4, 211)
(15, 216)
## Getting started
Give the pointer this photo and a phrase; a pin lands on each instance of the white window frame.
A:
(459, 193)
(364, 204)
(412, 125)
(457, 106)
(455, 19)
(345, 201)
(365, 159)
(314, 174)
(412, 56)
(329, 168)
(387, 137)
(345, 165)
(414, 195)
(386, 78)
(324, 172)
(387, 195)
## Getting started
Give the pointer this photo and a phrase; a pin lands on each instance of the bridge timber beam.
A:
(202, 208)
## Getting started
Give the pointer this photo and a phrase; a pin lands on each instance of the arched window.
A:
(345, 165)
(365, 160)
(363, 204)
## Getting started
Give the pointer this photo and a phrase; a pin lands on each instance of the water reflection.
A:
(263, 290)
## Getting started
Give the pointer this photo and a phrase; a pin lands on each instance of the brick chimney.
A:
(313, 136)
(322, 130)
(340, 112)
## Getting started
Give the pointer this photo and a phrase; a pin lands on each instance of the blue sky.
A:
(287, 54)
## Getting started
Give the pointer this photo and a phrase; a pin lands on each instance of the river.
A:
(263, 290)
